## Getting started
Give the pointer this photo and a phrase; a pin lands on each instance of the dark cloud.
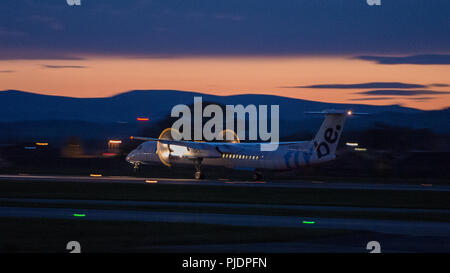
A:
(23, 54)
(229, 17)
(415, 59)
(10, 33)
(439, 85)
(49, 22)
(421, 99)
(402, 92)
(63, 66)
(377, 98)
(232, 27)
(7, 71)
(364, 85)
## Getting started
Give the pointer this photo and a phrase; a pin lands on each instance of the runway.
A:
(318, 206)
(394, 235)
(384, 226)
(227, 182)
(217, 205)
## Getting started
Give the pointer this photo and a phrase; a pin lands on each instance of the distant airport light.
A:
(352, 144)
(109, 154)
(349, 112)
(308, 222)
(114, 144)
(95, 175)
(41, 143)
(151, 181)
(79, 215)
(361, 149)
(142, 119)
(131, 137)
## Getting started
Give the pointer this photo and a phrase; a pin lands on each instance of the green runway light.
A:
(308, 222)
(79, 215)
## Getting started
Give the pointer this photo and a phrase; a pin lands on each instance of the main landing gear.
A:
(198, 172)
(257, 175)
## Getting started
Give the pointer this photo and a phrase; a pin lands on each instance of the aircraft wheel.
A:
(136, 168)
(257, 176)
(199, 175)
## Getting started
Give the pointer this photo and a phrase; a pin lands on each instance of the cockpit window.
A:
(140, 147)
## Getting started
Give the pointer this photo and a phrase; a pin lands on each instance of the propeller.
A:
(162, 149)
(229, 136)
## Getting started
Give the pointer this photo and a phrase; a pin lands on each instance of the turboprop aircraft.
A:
(242, 156)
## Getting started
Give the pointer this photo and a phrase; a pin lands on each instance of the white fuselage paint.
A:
(243, 156)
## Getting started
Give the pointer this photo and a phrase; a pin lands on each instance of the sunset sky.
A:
(333, 51)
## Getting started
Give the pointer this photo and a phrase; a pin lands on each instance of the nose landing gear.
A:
(136, 167)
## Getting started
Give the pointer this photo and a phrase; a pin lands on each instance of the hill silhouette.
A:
(28, 115)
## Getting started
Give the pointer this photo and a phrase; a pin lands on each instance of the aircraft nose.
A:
(129, 157)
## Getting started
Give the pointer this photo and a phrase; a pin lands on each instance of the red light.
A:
(142, 119)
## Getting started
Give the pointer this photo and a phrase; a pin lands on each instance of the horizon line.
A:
(199, 92)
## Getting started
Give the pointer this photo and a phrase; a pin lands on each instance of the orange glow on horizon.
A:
(108, 76)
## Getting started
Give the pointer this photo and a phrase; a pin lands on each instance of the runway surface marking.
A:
(222, 182)
(411, 228)
(219, 205)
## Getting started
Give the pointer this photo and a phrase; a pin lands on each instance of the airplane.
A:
(243, 156)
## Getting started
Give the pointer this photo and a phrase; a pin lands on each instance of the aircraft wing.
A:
(194, 149)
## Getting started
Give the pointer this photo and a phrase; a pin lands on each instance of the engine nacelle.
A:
(163, 150)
